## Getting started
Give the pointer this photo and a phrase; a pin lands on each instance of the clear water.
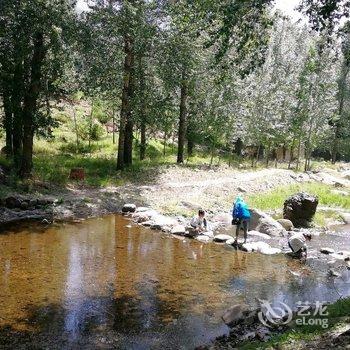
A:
(106, 284)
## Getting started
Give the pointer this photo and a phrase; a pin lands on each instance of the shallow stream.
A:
(106, 283)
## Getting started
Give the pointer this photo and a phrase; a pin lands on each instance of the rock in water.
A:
(202, 238)
(300, 209)
(258, 234)
(265, 223)
(287, 224)
(222, 238)
(178, 230)
(129, 208)
(326, 250)
(271, 227)
(261, 247)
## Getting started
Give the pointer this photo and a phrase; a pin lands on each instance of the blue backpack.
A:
(241, 211)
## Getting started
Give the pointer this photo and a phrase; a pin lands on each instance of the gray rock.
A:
(300, 208)
(222, 218)
(230, 241)
(178, 230)
(12, 202)
(24, 205)
(271, 227)
(326, 250)
(142, 209)
(334, 273)
(258, 234)
(256, 215)
(222, 237)
(203, 238)
(129, 208)
(287, 224)
(261, 247)
(144, 216)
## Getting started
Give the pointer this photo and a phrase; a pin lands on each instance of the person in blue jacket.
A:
(240, 217)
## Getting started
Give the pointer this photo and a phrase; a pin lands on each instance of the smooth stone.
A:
(337, 256)
(203, 239)
(230, 241)
(143, 209)
(143, 216)
(287, 224)
(222, 237)
(326, 250)
(261, 247)
(258, 234)
(129, 208)
(334, 273)
(271, 227)
(222, 218)
(209, 234)
(178, 230)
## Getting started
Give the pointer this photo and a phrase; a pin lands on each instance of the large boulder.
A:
(300, 209)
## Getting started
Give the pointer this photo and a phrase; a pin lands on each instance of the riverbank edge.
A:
(293, 336)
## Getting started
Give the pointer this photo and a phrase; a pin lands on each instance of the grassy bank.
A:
(274, 199)
(299, 337)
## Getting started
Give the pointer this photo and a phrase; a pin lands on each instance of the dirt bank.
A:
(170, 190)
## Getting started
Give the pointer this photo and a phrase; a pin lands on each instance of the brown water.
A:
(102, 285)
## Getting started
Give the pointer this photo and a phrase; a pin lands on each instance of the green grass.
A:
(336, 314)
(275, 199)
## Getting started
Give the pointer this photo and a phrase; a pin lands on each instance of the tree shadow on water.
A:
(93, 323)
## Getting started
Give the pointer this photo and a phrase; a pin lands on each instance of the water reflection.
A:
(102, 284)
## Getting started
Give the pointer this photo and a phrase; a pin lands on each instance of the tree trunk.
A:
(129, 126)
(239, 147)
(113, 129)
(143, 139)
(212, 155)
(90, 123)
(341, 96)
(267, 155)
(183, 117)
(30, 105)
(125, 112)
(16, 102)
(298, 156)
(164, 143)
(76, 128)
(291, 154)
(142, 110)
(8, 121)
